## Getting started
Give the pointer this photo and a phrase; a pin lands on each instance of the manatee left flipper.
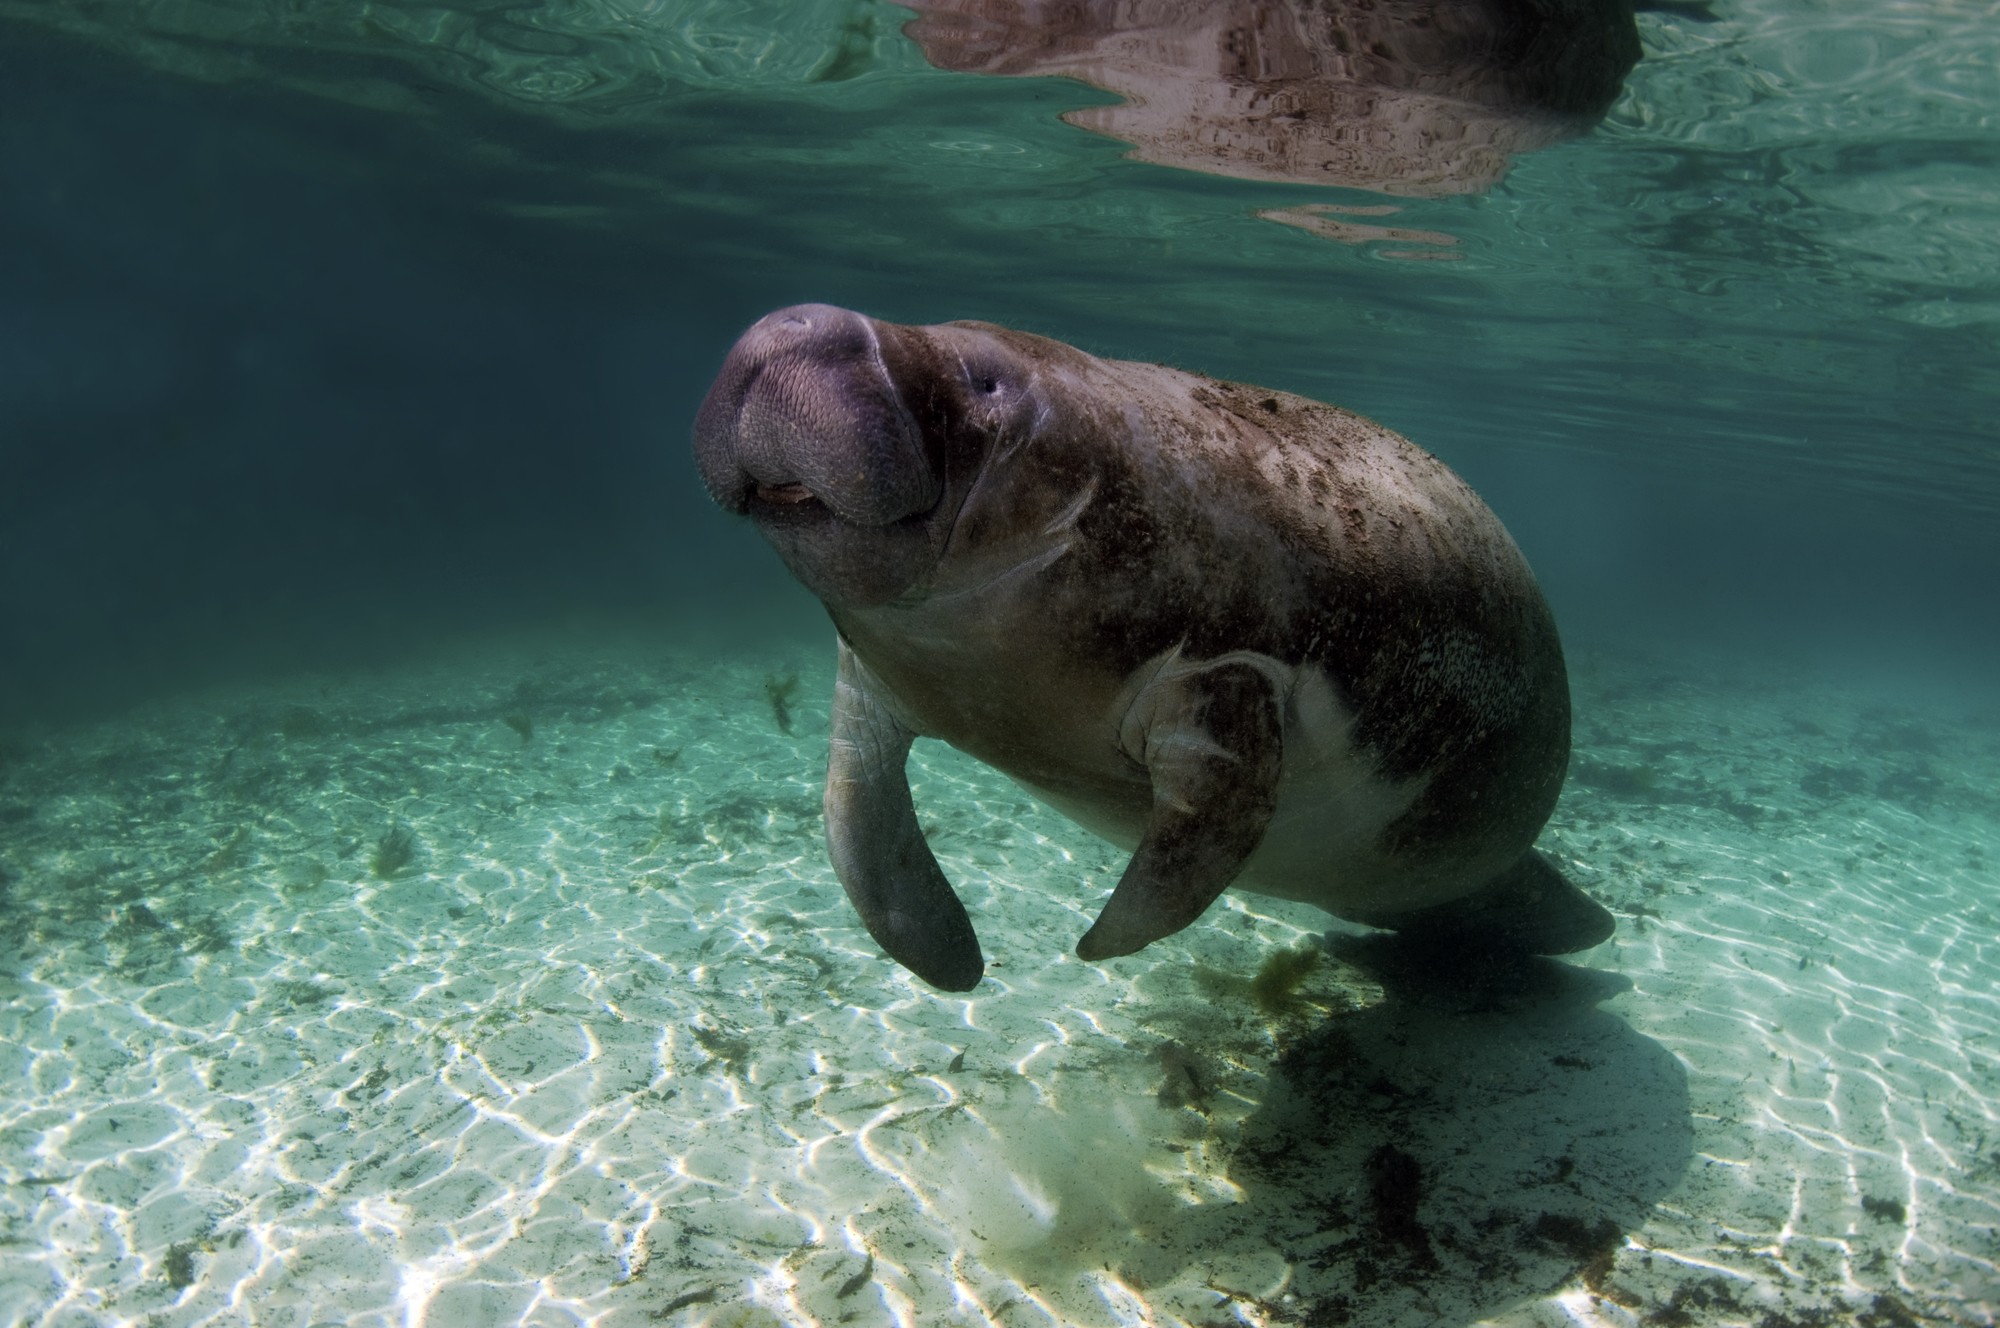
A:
(1212, 740)
(878, 849)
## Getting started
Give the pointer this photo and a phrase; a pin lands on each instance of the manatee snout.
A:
(805, 413)
(807, 432)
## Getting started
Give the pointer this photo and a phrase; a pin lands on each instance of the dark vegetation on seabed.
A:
(394, 852)
(779, 690)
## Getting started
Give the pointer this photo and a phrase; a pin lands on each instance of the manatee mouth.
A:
(784, 495)
(787, 504)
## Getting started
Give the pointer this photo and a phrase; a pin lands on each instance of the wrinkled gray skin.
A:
(1254, 639)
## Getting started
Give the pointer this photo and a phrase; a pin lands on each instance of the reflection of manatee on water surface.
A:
(1251, 638)
(1420, 98)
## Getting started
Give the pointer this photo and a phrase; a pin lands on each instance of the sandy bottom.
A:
(518, 990)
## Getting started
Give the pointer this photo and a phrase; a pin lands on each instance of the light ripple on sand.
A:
(613, 1048)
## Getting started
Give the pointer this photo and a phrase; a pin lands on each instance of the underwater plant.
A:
(302, 721)
(859, 1280)
(180, 1264)
(669, 825)
(521, 723)
(230, 852)
(1183, 1085)
(779, 688)
(394, 852)
(1278, 981)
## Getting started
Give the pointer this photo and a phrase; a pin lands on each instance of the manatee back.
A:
(1307, 532)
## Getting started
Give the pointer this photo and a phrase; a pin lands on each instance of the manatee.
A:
(1253, 639)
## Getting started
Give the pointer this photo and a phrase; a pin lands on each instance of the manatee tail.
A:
(1530, 907)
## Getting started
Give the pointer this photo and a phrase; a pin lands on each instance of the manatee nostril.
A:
(796, 321)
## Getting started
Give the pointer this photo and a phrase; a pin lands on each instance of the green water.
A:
(1783, 235)
(347, 359)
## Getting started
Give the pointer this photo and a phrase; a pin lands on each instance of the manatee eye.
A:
(989, 385)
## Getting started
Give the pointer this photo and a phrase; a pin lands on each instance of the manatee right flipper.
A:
(1530, 907)
(1212, 741)
(878, 849)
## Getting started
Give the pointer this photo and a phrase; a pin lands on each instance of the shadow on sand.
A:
(1476, 1135)
(1481, 1137)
